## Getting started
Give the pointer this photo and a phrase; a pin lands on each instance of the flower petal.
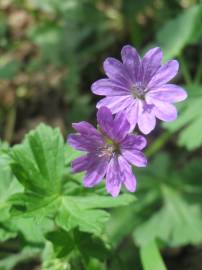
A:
(107, 87)
(121, 127)
(153, 57)
(165, 111)
(164, 74)
(95, 172)
(105, 121)
(146, 117)
(151, 62)
(133, 142)
(113, 177)
(129, 179)
(115, 70)
(135, 157)
(132, 112)
(131, 61)
(115, 103)
(168, 92)
(84, 143)
(81, 163)
(87, 129)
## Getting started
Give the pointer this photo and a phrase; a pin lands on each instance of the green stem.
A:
(158, 144)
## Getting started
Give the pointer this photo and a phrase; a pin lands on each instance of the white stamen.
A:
(107, 150)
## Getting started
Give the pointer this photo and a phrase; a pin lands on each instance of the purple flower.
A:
(110, 151)
(140, 88)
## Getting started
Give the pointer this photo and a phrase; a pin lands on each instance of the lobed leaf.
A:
(38, 162)
(72, 215)
(182, 230)
(177, 201)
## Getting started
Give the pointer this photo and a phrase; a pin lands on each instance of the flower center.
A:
(138, 91)
(109, 149)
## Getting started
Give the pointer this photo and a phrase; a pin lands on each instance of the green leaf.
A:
(8, 186)
(151, 257)
(189, 122)
(38, 162)
(169, 38)
(185, 226)
(170, 193)
(31, 205)
(31, 230)
(72, 215)
(85, 212)
(97, 201)
(63, 242)
(80, 213)
(178, 198)
(90, 246)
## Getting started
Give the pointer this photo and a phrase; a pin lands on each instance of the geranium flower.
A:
(110, 151)
(140, 88)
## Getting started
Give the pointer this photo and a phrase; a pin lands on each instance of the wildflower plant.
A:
(42, 195)
(116, 192)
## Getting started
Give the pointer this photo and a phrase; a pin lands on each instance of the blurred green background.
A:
(51, 51)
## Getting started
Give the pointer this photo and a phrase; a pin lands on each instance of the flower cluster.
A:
(136, 92)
